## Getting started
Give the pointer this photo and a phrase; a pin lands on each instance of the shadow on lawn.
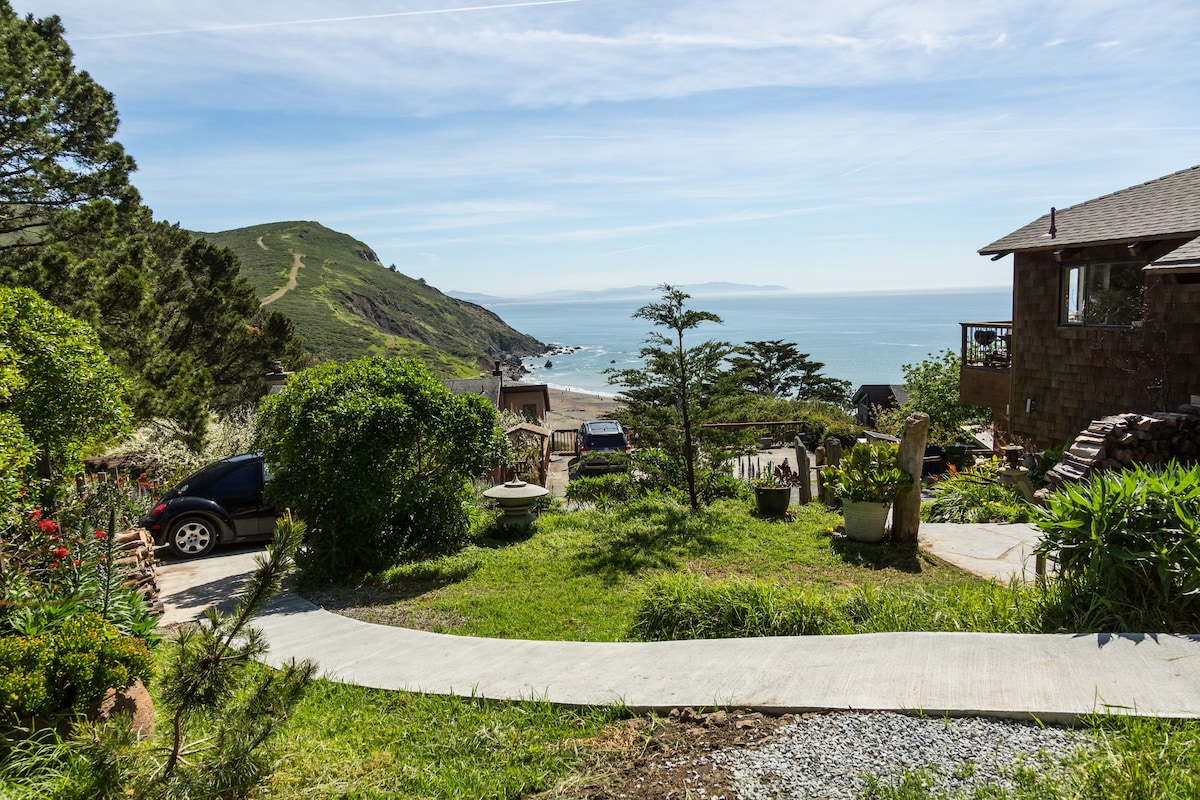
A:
(902, 557)
(657, 541)
(372, 592)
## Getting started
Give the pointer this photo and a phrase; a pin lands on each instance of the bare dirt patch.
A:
(656, 757)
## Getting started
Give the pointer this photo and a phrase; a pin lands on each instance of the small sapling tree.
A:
(664, 399)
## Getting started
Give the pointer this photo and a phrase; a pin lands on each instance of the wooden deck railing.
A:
(987, 344)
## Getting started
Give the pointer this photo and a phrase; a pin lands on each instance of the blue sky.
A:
(532, 146)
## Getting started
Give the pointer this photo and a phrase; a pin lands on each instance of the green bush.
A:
(24, 689)
(684, 606)
(812, 417)
(974, 496)
(845, 432)
(1127, 545)
(932, 387)
(57, 389)
(69, 667)
(603, 491)
(378, 457)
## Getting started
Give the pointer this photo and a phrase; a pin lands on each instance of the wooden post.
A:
(805, 469)
(906, 514)
(833, 457)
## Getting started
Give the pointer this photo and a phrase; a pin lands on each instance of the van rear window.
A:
(606, 441)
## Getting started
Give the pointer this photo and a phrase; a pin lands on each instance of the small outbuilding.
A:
(873, 396)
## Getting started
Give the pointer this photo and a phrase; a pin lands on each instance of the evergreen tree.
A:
(56, 131)
(170, 311)
(778, 369)
(664, 400)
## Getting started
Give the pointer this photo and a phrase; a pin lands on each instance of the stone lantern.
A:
(516, 499)
(276, 378)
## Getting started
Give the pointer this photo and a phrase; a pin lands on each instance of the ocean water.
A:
(861, 338)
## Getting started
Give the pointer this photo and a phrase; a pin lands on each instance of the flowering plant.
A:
(57, 564)
(769, 478)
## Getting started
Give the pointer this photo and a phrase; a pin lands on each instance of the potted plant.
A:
(771, 494)
(867, 481)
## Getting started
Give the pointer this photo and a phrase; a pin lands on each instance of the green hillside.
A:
(345, 304)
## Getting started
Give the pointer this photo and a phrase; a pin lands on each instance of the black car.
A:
(223, 503)
(602, 446)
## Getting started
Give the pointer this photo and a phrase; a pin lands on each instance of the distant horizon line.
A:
(566, 295)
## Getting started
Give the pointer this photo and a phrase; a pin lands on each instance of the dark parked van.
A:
(602, 447)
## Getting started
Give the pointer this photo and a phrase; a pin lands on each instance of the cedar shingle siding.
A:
(1074, 373)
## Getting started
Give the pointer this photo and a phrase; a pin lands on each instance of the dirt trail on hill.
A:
(260, 244)
(291, 284)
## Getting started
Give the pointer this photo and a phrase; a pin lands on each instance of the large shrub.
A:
(376, 456)
(59, 392)
(1127, 546)
(813, 418)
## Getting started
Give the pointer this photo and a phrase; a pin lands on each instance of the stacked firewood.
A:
(137, 559)
(1122, 440)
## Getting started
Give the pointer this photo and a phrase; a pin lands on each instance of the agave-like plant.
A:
(1127, 545)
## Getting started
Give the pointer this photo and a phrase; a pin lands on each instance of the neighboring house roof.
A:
(525, 427)
(879, 394)
(1164, 208)
(488, 386)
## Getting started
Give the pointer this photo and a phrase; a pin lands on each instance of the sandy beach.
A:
(569, 407)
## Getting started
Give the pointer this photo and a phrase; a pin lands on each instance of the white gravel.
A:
(829, 756)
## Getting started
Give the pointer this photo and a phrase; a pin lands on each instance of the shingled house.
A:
(1106, 313)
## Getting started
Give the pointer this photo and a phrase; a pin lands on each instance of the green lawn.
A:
(581, 574)
(347, 741)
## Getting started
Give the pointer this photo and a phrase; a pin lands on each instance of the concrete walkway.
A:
(1055, 678)
(998, 551)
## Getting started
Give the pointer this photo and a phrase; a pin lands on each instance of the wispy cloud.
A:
(697, 135)
(246, 26)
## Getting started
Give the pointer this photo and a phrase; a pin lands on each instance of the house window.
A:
(1102, 294)
(530, 412)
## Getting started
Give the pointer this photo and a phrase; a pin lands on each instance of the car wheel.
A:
(192, 537)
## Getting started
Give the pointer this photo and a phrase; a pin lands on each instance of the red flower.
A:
(101, 534)
(53, 565)
(36, 514)
(48, 526)
(76, 563)
(60, 552)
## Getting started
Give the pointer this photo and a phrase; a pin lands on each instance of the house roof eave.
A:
(1163, 208)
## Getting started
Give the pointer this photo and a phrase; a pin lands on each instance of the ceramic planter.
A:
(772, 501)
(865, 521)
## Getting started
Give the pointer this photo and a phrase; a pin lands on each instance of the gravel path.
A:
(828, 756)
